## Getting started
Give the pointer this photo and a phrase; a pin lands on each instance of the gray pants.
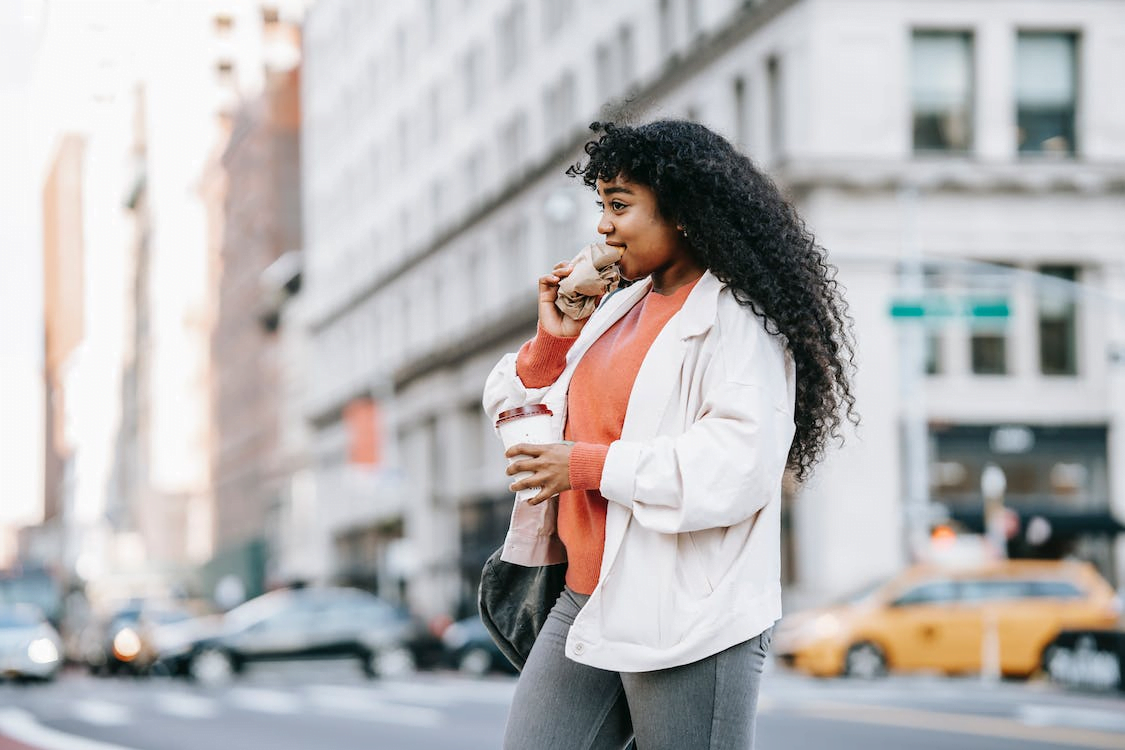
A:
(562, 705)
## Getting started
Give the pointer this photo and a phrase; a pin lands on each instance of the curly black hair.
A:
(741, 228)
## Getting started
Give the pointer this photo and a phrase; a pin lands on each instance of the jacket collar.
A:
(697, 316)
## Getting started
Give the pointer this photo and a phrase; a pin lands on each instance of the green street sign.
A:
(948, 306)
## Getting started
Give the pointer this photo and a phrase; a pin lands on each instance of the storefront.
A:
(1057, 486)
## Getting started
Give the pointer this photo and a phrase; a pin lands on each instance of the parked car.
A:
(34, 586)
(122, 642)
(943, 619)
(470, 649)
(296, 624)
(30, 647)
(1087, 659)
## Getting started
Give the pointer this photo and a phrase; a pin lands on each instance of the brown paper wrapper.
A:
(594, 274)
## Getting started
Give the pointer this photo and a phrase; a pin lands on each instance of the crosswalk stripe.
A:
(185, 706)
(101, 713)
(984, 726)
(266, 701)
(368, 707)
(1071, 716)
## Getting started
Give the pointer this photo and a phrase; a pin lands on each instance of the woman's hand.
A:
(549, 464)
(550, 317)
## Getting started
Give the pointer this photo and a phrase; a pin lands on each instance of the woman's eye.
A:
(617, 205)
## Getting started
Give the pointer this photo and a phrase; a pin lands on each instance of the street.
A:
(332, 706)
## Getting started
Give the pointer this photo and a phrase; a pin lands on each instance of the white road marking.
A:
(22, 726)
(458, 691)
(964, 724)
(186, 706)
(266, 701)
(1039, 715)
(364, 704)
(102, 713)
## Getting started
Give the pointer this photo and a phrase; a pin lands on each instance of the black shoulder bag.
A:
(515, 601)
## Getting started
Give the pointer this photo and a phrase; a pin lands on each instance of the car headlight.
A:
(126, 644)
(43, 651)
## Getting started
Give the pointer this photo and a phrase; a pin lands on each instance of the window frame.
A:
(970, 143)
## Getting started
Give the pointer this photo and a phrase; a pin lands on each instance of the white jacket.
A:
(693, 528)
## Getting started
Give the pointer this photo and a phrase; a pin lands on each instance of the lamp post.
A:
(993, 483)
(992, 486)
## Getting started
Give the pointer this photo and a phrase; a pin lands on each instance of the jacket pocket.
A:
(694, 564)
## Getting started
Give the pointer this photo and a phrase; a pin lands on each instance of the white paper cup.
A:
(527, 424)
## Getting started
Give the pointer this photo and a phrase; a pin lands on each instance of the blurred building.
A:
(256, 212)
(63, 330)
(21, 287)
(961, 161)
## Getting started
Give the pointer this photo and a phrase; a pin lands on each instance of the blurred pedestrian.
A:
(680, 403)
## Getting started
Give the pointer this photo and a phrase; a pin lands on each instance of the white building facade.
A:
(434, 144)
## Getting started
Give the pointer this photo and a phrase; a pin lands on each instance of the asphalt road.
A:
(332, 706)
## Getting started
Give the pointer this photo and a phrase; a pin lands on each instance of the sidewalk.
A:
(10, 744)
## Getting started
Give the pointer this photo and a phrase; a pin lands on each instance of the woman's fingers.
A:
(525, 449)
(548, 465)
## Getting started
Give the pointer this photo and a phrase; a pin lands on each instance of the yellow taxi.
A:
(950, 620)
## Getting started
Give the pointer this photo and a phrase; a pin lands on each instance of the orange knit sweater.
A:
(596, 405)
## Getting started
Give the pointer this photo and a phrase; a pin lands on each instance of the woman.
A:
(680, 403)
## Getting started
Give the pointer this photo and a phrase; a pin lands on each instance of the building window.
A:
(560, 106)
(777, 108)
(434, 113)
(613, 63)
(510, 47)
(1046, 93)
(941, 90)
(989, 352)
(988, 291)
(693, 18)
(514, 143)
(270, 16)
(223, 24)
(667, 26)
(626, 59)
(224, 71)
(555, 14)
(1058, 350)
(741, 115)
(934, 282)
(471, 83)
(934, 364)
(603, 65)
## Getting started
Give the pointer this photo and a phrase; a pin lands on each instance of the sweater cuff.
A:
(542, 359)
(586, 462)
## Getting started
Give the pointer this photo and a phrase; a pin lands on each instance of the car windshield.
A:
(256, 610)
(30, 588)
(861, 594)
(18, 618)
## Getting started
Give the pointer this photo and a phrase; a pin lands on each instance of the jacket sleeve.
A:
(721, 471)
(504, 390)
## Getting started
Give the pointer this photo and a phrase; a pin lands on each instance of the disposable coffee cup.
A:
(527, 424)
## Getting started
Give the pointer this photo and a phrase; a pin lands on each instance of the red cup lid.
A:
(523, 411)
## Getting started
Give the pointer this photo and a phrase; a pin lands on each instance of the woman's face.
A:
(652, 244)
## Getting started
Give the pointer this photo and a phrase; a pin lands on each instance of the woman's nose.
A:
(605, 226)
